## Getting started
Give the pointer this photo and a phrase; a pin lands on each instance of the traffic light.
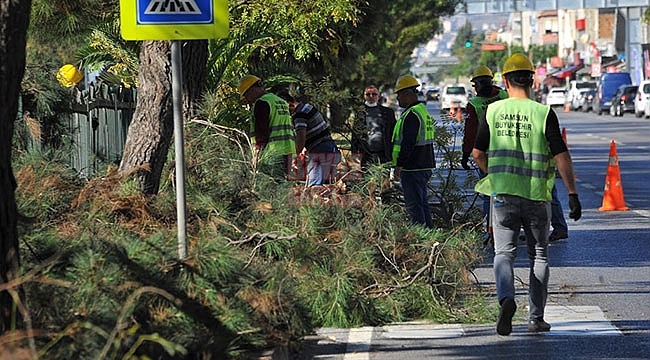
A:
(468, 44)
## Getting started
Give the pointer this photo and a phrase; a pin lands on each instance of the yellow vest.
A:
(519, 158)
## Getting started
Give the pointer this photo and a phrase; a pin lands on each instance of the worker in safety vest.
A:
(413, 159)
(271, 128)
(486, 93)
(518, 145)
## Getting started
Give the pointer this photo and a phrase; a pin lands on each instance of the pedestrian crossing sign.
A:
(173, 19)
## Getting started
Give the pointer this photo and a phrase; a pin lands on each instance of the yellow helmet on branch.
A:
(405, 82)
(517, 62)
(68, 75)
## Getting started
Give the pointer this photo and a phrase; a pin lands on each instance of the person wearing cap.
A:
(271, 128)
(313, 139)
(413, 158)
(486, 93)
(518, 145)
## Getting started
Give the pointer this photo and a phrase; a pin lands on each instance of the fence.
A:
(98, 122)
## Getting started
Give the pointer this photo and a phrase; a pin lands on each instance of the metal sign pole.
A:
(179, 148)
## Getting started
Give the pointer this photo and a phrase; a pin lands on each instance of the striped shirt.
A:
(308, 117)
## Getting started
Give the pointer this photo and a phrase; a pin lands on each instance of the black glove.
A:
(575, 207)
(464, 160)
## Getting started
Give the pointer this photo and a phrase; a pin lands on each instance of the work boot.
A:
(538, 325)
(556, 235)
(504, 321)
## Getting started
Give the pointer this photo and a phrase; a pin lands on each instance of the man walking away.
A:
(518, 145)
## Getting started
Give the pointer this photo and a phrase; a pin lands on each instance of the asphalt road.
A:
(599, 291)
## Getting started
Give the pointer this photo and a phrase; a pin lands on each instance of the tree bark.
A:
(14, 19)
(152, 128)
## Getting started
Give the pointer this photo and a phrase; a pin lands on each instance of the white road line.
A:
(578, 321)
(422, 331)
(358, 345)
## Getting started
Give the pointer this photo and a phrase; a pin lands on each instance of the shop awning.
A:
(568, 71)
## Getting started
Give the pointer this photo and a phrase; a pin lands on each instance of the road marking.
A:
(358, 346)
(422, 331)
(578, 321)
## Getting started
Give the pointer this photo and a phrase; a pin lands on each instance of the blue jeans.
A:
(510, 214)
(414, 186)
(323, 159)
(557, 215)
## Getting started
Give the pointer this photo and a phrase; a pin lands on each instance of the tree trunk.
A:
(14, 19)
(152, 127)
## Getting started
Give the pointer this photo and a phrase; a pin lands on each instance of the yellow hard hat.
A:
(517, 62)
(482, 70)
(405, 82)
(246, 82)
(68, 75)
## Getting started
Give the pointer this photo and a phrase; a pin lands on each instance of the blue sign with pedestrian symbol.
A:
(174, 11)
(173, 19)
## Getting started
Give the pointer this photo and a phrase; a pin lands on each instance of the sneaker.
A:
(555, 236)
(538, 325)
(504, 321)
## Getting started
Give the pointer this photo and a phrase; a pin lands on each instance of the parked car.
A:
(586, 102)
(642, 99)
(576, 88)
(576, 101)
(607, 86)
(556, 96)
(623, 100)
(453, 95)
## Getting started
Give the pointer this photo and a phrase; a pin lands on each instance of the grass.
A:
(106, 282)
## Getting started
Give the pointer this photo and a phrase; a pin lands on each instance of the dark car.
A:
(433, 94)
(623, 100)
(607, 86)
(585, 102)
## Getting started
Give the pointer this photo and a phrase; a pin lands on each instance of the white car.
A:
(556, 96)
(575, 89)
(453, 96)
(642, 101)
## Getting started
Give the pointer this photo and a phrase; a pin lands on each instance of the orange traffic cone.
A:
(564, 136)
(613, 199)
(567, 107)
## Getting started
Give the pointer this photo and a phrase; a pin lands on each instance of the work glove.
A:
(575, 207)
(464, 160)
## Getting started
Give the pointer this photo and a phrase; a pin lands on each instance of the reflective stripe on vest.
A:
(426, 132)
(281, 133)
(519, 158)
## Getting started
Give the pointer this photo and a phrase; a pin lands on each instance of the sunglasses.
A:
(371, 94)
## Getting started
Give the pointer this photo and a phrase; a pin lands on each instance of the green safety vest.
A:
(519, 158)
(481, 103)
(281, 136)
(426, 133)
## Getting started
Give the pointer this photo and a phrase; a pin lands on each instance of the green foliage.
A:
(259, 272)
